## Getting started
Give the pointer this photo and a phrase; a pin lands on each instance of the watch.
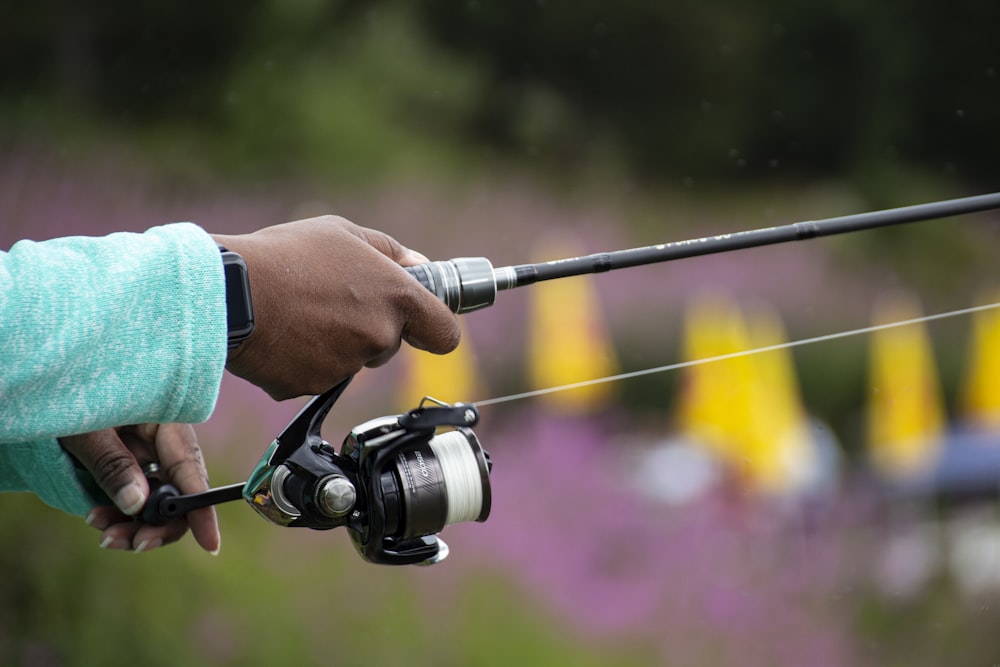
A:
(239, 304)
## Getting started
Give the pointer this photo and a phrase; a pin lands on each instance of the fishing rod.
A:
(466, 284)
(399, 480)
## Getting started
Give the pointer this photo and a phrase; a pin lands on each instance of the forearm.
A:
(100, 332)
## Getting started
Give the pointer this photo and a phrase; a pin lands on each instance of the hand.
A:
(330, 298)
(114, 457)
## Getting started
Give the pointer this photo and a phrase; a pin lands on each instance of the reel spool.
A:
(436, 485)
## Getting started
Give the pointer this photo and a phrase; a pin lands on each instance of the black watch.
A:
(239, 305)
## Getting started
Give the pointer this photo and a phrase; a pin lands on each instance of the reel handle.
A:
(166, 502)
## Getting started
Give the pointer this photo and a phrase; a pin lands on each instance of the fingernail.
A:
(91, 517)
(115, 543)
(148, 545)
(130, 498)
(218, 548)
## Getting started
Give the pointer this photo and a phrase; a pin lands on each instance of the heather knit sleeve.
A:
(103, 332)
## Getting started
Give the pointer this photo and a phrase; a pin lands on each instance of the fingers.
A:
(421, 320)
(113, 467)
(390, 247)
(119, 532)
(431, 325)
(175, 448)
(182, 464)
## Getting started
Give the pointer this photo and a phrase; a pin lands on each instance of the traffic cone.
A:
(568, 341)
(449, 377)
(906, 415)
(979, 402)
(713, 404)
(780, 457)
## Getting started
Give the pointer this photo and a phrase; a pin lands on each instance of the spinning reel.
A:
(396, 483)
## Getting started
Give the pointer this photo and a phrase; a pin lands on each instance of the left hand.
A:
(115, 458)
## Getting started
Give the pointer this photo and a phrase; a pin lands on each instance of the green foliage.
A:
(365, 99)
(707, 92)
(127, 62)
(269, 598)
(723, 90)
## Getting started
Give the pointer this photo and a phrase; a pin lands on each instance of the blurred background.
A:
(830, 504)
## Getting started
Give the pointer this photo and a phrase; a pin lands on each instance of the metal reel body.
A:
(387, 486)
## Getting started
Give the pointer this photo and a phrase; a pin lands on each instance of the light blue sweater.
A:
(103, 332)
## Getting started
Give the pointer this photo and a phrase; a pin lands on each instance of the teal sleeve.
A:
(103, 332)
(44, 469)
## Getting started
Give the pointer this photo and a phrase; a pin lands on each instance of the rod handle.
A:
(464, 284)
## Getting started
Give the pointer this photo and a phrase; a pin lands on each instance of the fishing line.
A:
(735, 355)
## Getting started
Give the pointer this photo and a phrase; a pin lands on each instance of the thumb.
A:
(390, 247)
(114, 468)
(431, 325)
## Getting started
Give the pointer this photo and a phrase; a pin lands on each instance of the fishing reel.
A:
(396, 482)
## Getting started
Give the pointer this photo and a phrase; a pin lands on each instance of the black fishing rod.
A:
(470, 283)
(399, 480)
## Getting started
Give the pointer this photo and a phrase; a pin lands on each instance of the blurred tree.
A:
(713, 88)
(127, 61)
(656, 77)
(685, 90)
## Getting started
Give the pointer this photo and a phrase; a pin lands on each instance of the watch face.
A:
(239, 307)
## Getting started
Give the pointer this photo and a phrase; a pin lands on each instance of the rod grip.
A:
(464, 284)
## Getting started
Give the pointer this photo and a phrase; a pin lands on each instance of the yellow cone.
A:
(905, 408)
(568, 341)
(781, 456)
(713, 406)
(979, 402)
(745, 410)
(450, 378)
